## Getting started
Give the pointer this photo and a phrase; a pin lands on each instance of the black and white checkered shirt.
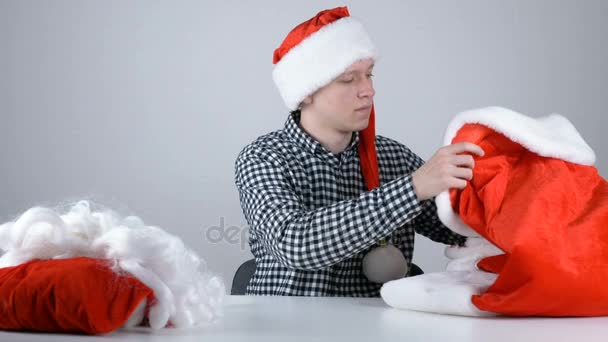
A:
(312, 219)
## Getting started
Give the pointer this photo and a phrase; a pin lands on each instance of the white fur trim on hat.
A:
(551, 136)
(320, 58)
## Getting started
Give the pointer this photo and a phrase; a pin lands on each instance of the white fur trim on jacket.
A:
(320, 58)
(551, 136)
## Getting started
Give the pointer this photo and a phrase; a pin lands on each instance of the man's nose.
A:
(367, 88)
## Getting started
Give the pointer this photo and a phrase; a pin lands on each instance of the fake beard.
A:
(185, 293)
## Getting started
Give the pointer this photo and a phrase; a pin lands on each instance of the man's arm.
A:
(316, 239)
(428, 223)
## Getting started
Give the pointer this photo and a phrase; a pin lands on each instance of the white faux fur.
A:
(444, 292)
(551, 136)
(449, 218)
(186, 294)
(465, 258)
(320, 58)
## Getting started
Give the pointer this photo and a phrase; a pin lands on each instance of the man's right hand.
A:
(450, 167)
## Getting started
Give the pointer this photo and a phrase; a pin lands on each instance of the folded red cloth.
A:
(78, 295)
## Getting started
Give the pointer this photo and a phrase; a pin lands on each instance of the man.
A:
(321, 193)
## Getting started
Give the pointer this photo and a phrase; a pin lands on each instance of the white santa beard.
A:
(186, 294)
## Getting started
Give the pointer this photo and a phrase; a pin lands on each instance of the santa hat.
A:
(316, 52)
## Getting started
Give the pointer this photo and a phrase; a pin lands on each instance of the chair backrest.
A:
(414, 270)
(242, 276)
(245, 272)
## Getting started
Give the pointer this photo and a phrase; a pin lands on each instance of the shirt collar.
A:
(298, 135)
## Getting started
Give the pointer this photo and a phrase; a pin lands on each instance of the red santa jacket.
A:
(537, 197)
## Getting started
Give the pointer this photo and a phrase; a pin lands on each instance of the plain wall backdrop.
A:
(144, 105)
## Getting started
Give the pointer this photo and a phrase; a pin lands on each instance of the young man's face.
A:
(345, 103)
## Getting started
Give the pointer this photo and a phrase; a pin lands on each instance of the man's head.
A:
(345, 103)
(323, 67)
(318, 51)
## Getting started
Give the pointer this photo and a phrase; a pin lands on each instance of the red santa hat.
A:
(316, 52)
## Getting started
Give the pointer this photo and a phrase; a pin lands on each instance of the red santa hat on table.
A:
(316, 52)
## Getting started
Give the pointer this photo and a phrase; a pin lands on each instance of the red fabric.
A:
(67, 295)
(493, 264)
(307, 28)
(367, 153)
(549, 216)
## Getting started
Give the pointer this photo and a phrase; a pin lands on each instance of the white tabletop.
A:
(344, 319)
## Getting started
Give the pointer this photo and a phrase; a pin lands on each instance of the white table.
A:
(345, 319)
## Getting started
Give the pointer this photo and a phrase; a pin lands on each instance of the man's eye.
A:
(370, 75)
(347, 80)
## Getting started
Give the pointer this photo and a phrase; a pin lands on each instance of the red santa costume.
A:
(536, 212)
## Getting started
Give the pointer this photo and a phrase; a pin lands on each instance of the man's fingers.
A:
(463, 173)
(451, 167)
(464, 160)
(458, 183)
(463, 147)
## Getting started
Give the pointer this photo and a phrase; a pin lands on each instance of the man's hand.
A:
(448, 168)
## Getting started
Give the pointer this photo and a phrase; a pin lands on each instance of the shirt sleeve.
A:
(428, 222)
(429, 225)
(316, 239)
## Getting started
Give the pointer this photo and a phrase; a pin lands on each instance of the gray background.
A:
(144, 105)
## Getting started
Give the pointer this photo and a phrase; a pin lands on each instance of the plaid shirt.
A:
(312, 219)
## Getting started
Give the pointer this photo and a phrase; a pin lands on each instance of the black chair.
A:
(414, 270)
(242, 276)
(245, 272)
